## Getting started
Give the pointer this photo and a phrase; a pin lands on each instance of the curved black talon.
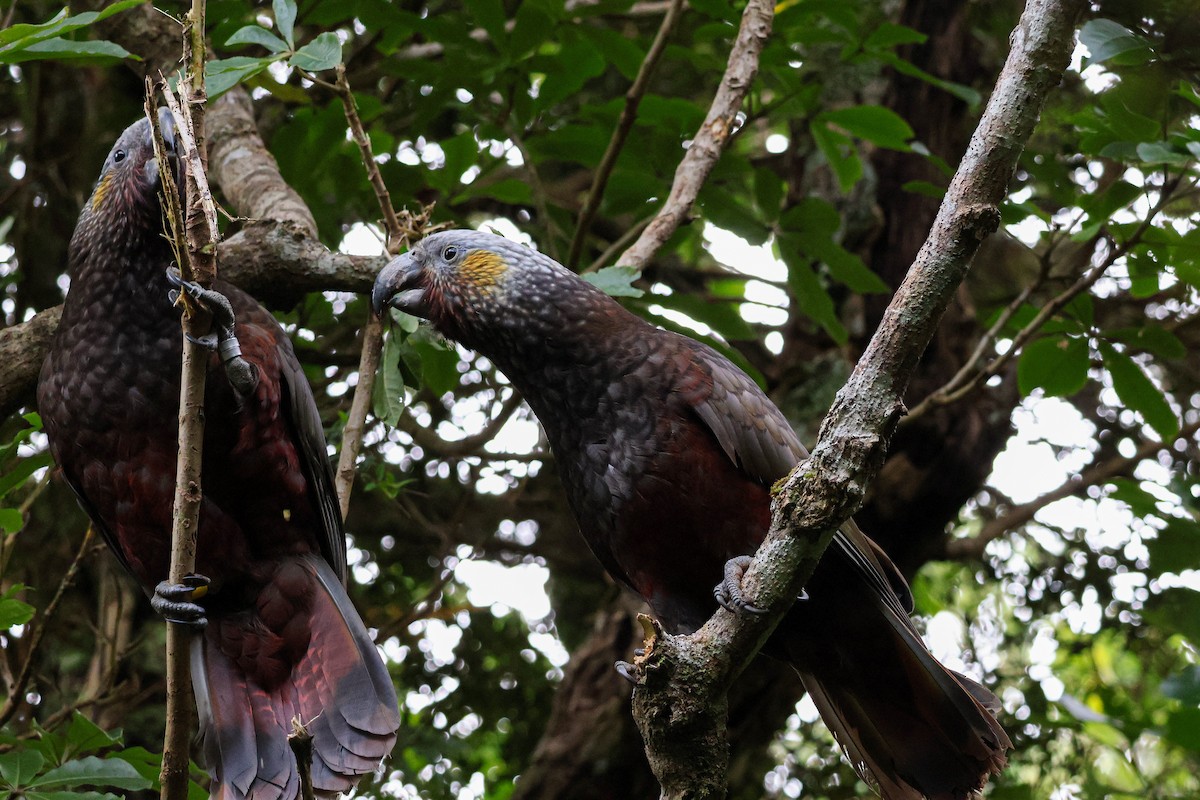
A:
(729, 591)
(223, 340)
(627, 671)
(174, 601)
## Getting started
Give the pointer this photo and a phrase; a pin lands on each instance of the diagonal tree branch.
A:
(680, 703)
(633, 99)
(715, 132)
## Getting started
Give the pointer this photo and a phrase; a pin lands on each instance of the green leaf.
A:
(1162, 153)
(813, 225)
(439, 362)
(1176, 610)
(811, 296)
(223, 74)
(1131, 493)
(59, 24)
(11, 520)
(85, 736)
(769, 190)
(13, 611)
(489, 15)
(617, 50)
(1185, 686)
(93, 771)
(1138, 392)
(1057, 365)
(388, 397)
(1152, 338)
(615, 281)
(1183, 728)
(965, 93)
(839, 152)
(460, 153)
(875, 124)
(285, 19)
(257, 34)
(68, 50)
(19, 767)
(889, 35)
(1106, 40)
(21, 471)
(323, 52)
(1175, 547)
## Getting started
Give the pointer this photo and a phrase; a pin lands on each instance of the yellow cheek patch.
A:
(101, 190)
(482, 268)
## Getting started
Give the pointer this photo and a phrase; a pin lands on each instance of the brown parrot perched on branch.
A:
(277, 637)
(668, 452)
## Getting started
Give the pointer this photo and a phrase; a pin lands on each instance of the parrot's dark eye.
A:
(118, 156)
(450, 253)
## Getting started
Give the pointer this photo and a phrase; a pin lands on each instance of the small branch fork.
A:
(402, 230)
(680, 701)
(715, 133)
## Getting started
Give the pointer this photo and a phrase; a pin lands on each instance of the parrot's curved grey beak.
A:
(401, 285)
(166, 125)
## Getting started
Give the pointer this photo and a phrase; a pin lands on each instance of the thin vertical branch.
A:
(400, 234)
(199, 225)
(633, 99)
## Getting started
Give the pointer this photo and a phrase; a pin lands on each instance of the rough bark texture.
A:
(937, 463)
(680, 700)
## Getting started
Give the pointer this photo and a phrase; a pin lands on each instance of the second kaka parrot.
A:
(668, 451)
(277, 638)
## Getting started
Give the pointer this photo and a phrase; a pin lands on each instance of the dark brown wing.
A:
(299, 409)
(757, 437)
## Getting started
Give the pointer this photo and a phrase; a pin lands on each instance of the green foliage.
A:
(322, 53)
(66, 764)
(499, 111)
(49, 40)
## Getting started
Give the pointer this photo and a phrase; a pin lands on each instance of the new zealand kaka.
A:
(277, 636)
(667, 452)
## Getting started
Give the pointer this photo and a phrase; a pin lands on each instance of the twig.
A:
(714, 133)
(17, 690)
(633, 99)
(300, 740)
(538, 190)
(1018, 515)
(200, 226)
(468, 445)
(681, 698)
(399, 236)
(620, 244)
(969, 377)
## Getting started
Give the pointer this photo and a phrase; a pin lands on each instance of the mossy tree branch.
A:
(683, 683)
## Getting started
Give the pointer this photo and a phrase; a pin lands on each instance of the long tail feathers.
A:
(912, 728)
(339, 689)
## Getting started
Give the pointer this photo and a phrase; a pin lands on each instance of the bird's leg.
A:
(241, 373)
(176, 601)
(729, 591)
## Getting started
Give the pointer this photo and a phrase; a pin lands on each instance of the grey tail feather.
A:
(910, 727)
(340, 690)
